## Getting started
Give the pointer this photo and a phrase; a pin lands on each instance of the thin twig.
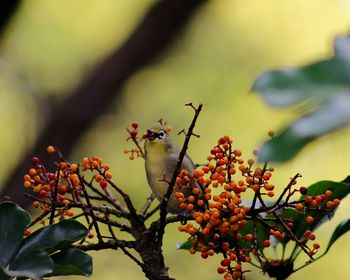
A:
(296, 176)
(54, 198)
(150, 213)
(147, 204)
(115, 202)
(90, 209)
(39, 218)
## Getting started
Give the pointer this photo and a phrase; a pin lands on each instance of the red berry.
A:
(62, 189)
(133, 133)
(42, 193)
(266, 243)
(103, 184)
(303, 190)
(51, 176)
(27, 232)
(290, 225)
(35, 160)
(134, 125)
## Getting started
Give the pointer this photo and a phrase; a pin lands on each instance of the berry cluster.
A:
(133, 135)
(227, 226)
(62, 189)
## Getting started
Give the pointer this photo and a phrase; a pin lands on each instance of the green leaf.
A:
(325, 85)
(71, 262)
(13, 222)
(54, 237)
(186, 245)
(33, 265)
(340, 230)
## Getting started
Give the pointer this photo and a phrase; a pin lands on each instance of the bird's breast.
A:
(155, 166)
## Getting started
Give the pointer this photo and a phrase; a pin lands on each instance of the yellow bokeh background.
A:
(52, 45)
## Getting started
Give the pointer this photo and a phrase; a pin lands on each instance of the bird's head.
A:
(157, 133)
(158, 136)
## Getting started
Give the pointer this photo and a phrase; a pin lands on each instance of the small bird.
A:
(161, 156)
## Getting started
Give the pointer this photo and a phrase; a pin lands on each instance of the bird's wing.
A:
(187, 163)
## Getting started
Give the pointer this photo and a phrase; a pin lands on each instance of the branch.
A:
(164, 202)
(111, 244)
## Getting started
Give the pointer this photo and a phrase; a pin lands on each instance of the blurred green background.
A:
(50, 46)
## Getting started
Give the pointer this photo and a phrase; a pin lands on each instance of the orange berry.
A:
(249, 236)
(50, 149)
(108, 175)
(36, 204)
(32, 172)
(309, 219)
(316, 246)
(311, 236)
(27, 184)
(242, 168)
(70, 213)
(328, 193)
(179, 195)
(98, 178)
(225, 262)
(314, 203)
(37, 179)
(195, 191)
(308, 199)
(74, 167)
(336, 201)
(330, 204)
(190, 207)
(299, 207)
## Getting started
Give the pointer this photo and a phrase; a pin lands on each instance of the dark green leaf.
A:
(325, 83)
(54, 237)
(13, 222)
(71, 262)
(293, 85)
(34, 265)
(341, 229)
(3, 275)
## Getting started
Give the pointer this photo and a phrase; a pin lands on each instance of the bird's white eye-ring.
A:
(161, 135)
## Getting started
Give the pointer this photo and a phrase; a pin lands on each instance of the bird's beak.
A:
(150, 135)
